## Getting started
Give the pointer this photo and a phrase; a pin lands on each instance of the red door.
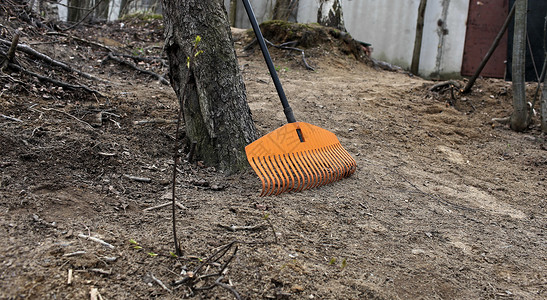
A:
(484, 21)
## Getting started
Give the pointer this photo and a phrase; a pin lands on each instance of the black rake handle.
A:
(286, 107)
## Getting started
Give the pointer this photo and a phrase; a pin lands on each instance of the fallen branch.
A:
(97, 240)
(28, 50)
(56, 82)
(131, 65)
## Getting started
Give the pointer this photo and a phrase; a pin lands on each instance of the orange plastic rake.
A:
(297, 156)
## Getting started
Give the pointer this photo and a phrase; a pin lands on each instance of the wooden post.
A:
(233, 12)
(414, 67)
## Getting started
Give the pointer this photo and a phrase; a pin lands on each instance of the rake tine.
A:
(300, 172)
(349, 159)
(313, 175)
(276, 179)
(316, 160)
(318, 171)
(277, 173)
(353, 163)
(272, 179)
(347, 163)
(320, 153)
(328, 164)
(336, 159)
(306, 182)
(283, 160)
(262, 167)
(281, 170)
(253, 164)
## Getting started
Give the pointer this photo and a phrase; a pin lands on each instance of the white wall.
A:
(389, 25)
(442, 54)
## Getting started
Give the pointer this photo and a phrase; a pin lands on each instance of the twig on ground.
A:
(239, 228)
(94, 294)
(11, 52)
(11, 118)
(99, 45)
(138, 179)
(444, 84)
(77, 253)
(154, 121)
(107, 154)
(97, 240)
(164, 205)
(228, 287)
(72, 116)
(192, 278)
(100, 271)
(131, 65)
(159, 282)
(282, 47)
(70, 277)
(267, 218)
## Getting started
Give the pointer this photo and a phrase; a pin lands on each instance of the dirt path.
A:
(443, 204)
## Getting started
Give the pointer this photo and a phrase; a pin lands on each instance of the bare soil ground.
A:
(444, 203)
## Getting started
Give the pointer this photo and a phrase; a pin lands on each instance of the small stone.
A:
(297, 288)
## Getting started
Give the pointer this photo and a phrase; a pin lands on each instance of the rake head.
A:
(298, 156)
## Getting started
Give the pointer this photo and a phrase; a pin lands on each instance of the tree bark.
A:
(233, 12)
(330, 14)
(520, 117)
(284, 9)
(216, 114)
(415, 65)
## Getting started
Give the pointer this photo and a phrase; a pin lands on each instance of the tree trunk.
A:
(285, 9)
(216, 114)
(233, 12)
(520, 117)
(77, 9)
(330, 14)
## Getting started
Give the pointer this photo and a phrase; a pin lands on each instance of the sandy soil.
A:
(444, 203)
